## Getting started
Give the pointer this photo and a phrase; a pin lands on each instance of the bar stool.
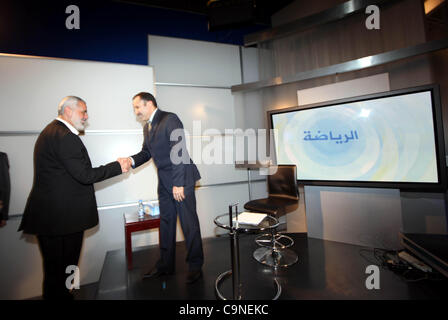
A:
(283, 197)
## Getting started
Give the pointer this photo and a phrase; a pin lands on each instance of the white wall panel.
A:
(362, 216)
(344, 89)
(215, 158)
(214, 108)
(194, 62)
(250, 64)
(249, 112)
(31, 89)
(140, 183)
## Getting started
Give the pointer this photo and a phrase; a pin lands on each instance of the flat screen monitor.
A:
(392, 139)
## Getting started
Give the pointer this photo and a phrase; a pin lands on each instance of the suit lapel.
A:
(83, 149)
(146, 132)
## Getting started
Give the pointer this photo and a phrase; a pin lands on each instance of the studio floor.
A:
(325, 270)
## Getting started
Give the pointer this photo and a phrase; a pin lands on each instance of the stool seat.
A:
(274, 206)
(283, 197)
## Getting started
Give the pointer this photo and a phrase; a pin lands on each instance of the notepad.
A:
(250, 218)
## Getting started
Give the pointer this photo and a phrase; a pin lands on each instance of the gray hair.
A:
(69, 101)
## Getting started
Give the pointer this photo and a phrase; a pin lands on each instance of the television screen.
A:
(392, 139)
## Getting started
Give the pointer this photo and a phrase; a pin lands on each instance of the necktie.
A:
(147, 129)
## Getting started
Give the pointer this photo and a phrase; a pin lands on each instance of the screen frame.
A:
(411, 186)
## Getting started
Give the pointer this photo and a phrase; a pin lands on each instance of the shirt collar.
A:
(152, 116)
(69, 126)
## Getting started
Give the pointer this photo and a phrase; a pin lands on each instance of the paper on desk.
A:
(251, 218)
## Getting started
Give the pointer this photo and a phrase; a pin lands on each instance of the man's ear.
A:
(149, 104)
(68, 112)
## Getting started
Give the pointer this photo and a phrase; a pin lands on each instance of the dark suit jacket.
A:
(5, 185)
(158, 145)
(62, 200)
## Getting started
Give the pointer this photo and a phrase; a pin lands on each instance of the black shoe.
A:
(155, 273)
(194, 276)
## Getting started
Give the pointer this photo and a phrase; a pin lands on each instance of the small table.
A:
(223, 221)
(132, 223)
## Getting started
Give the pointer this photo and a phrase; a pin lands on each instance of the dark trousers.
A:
(186, 209)
(59, 252)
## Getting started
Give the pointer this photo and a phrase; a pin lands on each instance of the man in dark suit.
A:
(62, 201)
(177, 177)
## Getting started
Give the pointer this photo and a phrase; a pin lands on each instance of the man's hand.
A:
(125, 164)
(178, 193)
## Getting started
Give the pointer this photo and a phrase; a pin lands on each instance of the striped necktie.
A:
(147, 129)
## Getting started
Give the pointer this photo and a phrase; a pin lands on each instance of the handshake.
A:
(125, 164)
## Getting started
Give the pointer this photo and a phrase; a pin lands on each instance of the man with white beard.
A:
(62, 204)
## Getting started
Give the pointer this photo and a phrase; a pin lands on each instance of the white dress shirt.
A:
(71, 128)
(152, 116)
(149, 122)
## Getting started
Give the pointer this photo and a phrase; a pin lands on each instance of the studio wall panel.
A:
(249, 112)
(250, 64)
(31, 89)
(194, 62)
(368, 217)
(344, 89)
(206, 108)
(139, 183)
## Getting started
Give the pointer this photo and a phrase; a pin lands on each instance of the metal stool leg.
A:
(235, 271)
(274, 255)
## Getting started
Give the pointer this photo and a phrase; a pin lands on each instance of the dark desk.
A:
(432, 249)
(325, 270)
(132, 223)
